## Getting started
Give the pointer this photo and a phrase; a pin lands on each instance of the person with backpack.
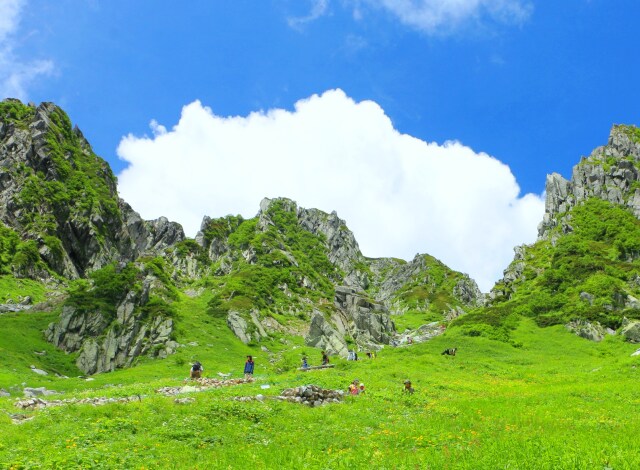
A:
(408, 388)
(248, 368)
(325, 358)
(196, 370)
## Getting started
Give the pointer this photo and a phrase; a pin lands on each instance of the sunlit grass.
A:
(556, 402)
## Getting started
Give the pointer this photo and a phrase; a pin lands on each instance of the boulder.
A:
(238, 325)
(36, 392)
(38, 371)
(587, 330)
(322, 335)
(631, 331)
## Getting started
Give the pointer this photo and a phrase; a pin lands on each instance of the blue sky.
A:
(532, 85)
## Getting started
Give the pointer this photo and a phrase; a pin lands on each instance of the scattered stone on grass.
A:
(19, 418)
(184, 401)
(38, 371)
(36, 392)
(200, 384)
(310, 395)
(35, 403)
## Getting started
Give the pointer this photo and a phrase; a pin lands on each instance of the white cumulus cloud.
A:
(398, 194)
(16, 74)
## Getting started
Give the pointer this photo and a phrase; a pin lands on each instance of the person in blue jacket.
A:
(248, 368)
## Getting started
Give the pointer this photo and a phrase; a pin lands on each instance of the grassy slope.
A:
(556, 402)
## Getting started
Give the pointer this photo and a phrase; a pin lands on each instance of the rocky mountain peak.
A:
(56, 192)
(624, 141)
(343, 249)
(601, 186)
(611, 173)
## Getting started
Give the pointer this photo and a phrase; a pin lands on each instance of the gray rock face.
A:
(238, 325)
(609, 173)
(344, 251)
(38, 371)
(37, 392)
(631, 330)
(108, 343)
(10, 307)
(322, 335)
(137, 236)
(358, 316)
(90, 238)
(366, 322)
(587, 330)
(390, 276)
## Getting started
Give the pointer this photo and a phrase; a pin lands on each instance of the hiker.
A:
(353, 387)
(361, 390)
(325, 358)
(355, 356)
(196, 370)
(407, 387)
(248, 368)
(305, 364)
(352, 355)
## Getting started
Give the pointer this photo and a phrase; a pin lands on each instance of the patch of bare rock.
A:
(310, 395)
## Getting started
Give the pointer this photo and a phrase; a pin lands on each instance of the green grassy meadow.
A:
(558, 401)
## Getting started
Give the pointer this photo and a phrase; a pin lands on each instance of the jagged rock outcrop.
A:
(344, 251)
(246, 331)
(59, 196)
(366, 322)
(342, 248)
(56, 191)
(425, 273)
(365, 289)
(593, 331)
(631, 330)
(106, 343)
(610, 173)
(324, 336)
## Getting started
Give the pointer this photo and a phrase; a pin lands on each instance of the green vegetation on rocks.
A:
(492, 406)
(591, 273)
(515, 395)
(76, 184)
(273, 268)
